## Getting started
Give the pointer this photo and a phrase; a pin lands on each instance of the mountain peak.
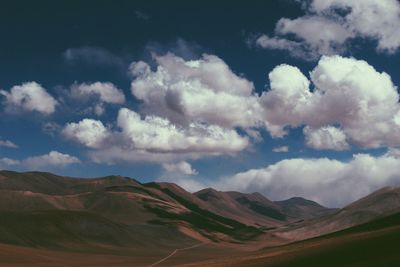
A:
(207, 193)
(299, 201)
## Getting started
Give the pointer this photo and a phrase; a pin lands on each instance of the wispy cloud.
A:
(53, 159)
(280, 149)
(140, 15)
(8, 143)
(94, 56)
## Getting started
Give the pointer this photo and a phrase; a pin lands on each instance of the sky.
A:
(284, 97)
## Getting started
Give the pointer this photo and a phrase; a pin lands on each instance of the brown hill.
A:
(121, 200)
(117, 215)
(301, 208)
(253, 209)
(381, 203)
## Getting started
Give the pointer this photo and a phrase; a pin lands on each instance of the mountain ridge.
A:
(116, 214)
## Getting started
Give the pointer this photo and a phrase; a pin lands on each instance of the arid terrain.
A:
(49, 220)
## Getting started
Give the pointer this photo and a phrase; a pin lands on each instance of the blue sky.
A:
(258, 96)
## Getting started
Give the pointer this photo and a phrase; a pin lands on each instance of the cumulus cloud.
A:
(280, 149)
(158, 134)
(205, 90)
(345, 102)
(182, 167)
(349, 93)
(354, 102)
(190, 109)
(287, 101)
(7, 143)
(328, 137)
(89, 132)
(342, 20)
(153, 138)
(30, 96)
(330, 182)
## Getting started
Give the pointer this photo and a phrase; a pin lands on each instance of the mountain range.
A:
(118, 221)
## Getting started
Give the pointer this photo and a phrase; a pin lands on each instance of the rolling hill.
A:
(123, 218)
(381, 203)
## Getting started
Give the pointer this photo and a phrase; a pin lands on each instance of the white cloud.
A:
(204, 90)
(341, 21)
(6, 162)
(182, 167)
(30, 96)
(158, 134)
(280, 149)
(350, 104)
(107, 92)
(374, 19)
(52, 159)
(327, 137)
(153, 138)
(89, 132)
(288, 100)
(349, 93)
(7, 143)
(330, 182)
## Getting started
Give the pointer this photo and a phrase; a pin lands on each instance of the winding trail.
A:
(174, 252)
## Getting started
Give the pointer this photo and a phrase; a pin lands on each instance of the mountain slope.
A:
(120, 200)
(117, 215)
(51, 184)
(203, 219)
(381, 203)
(252, 209)
(301, 208)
